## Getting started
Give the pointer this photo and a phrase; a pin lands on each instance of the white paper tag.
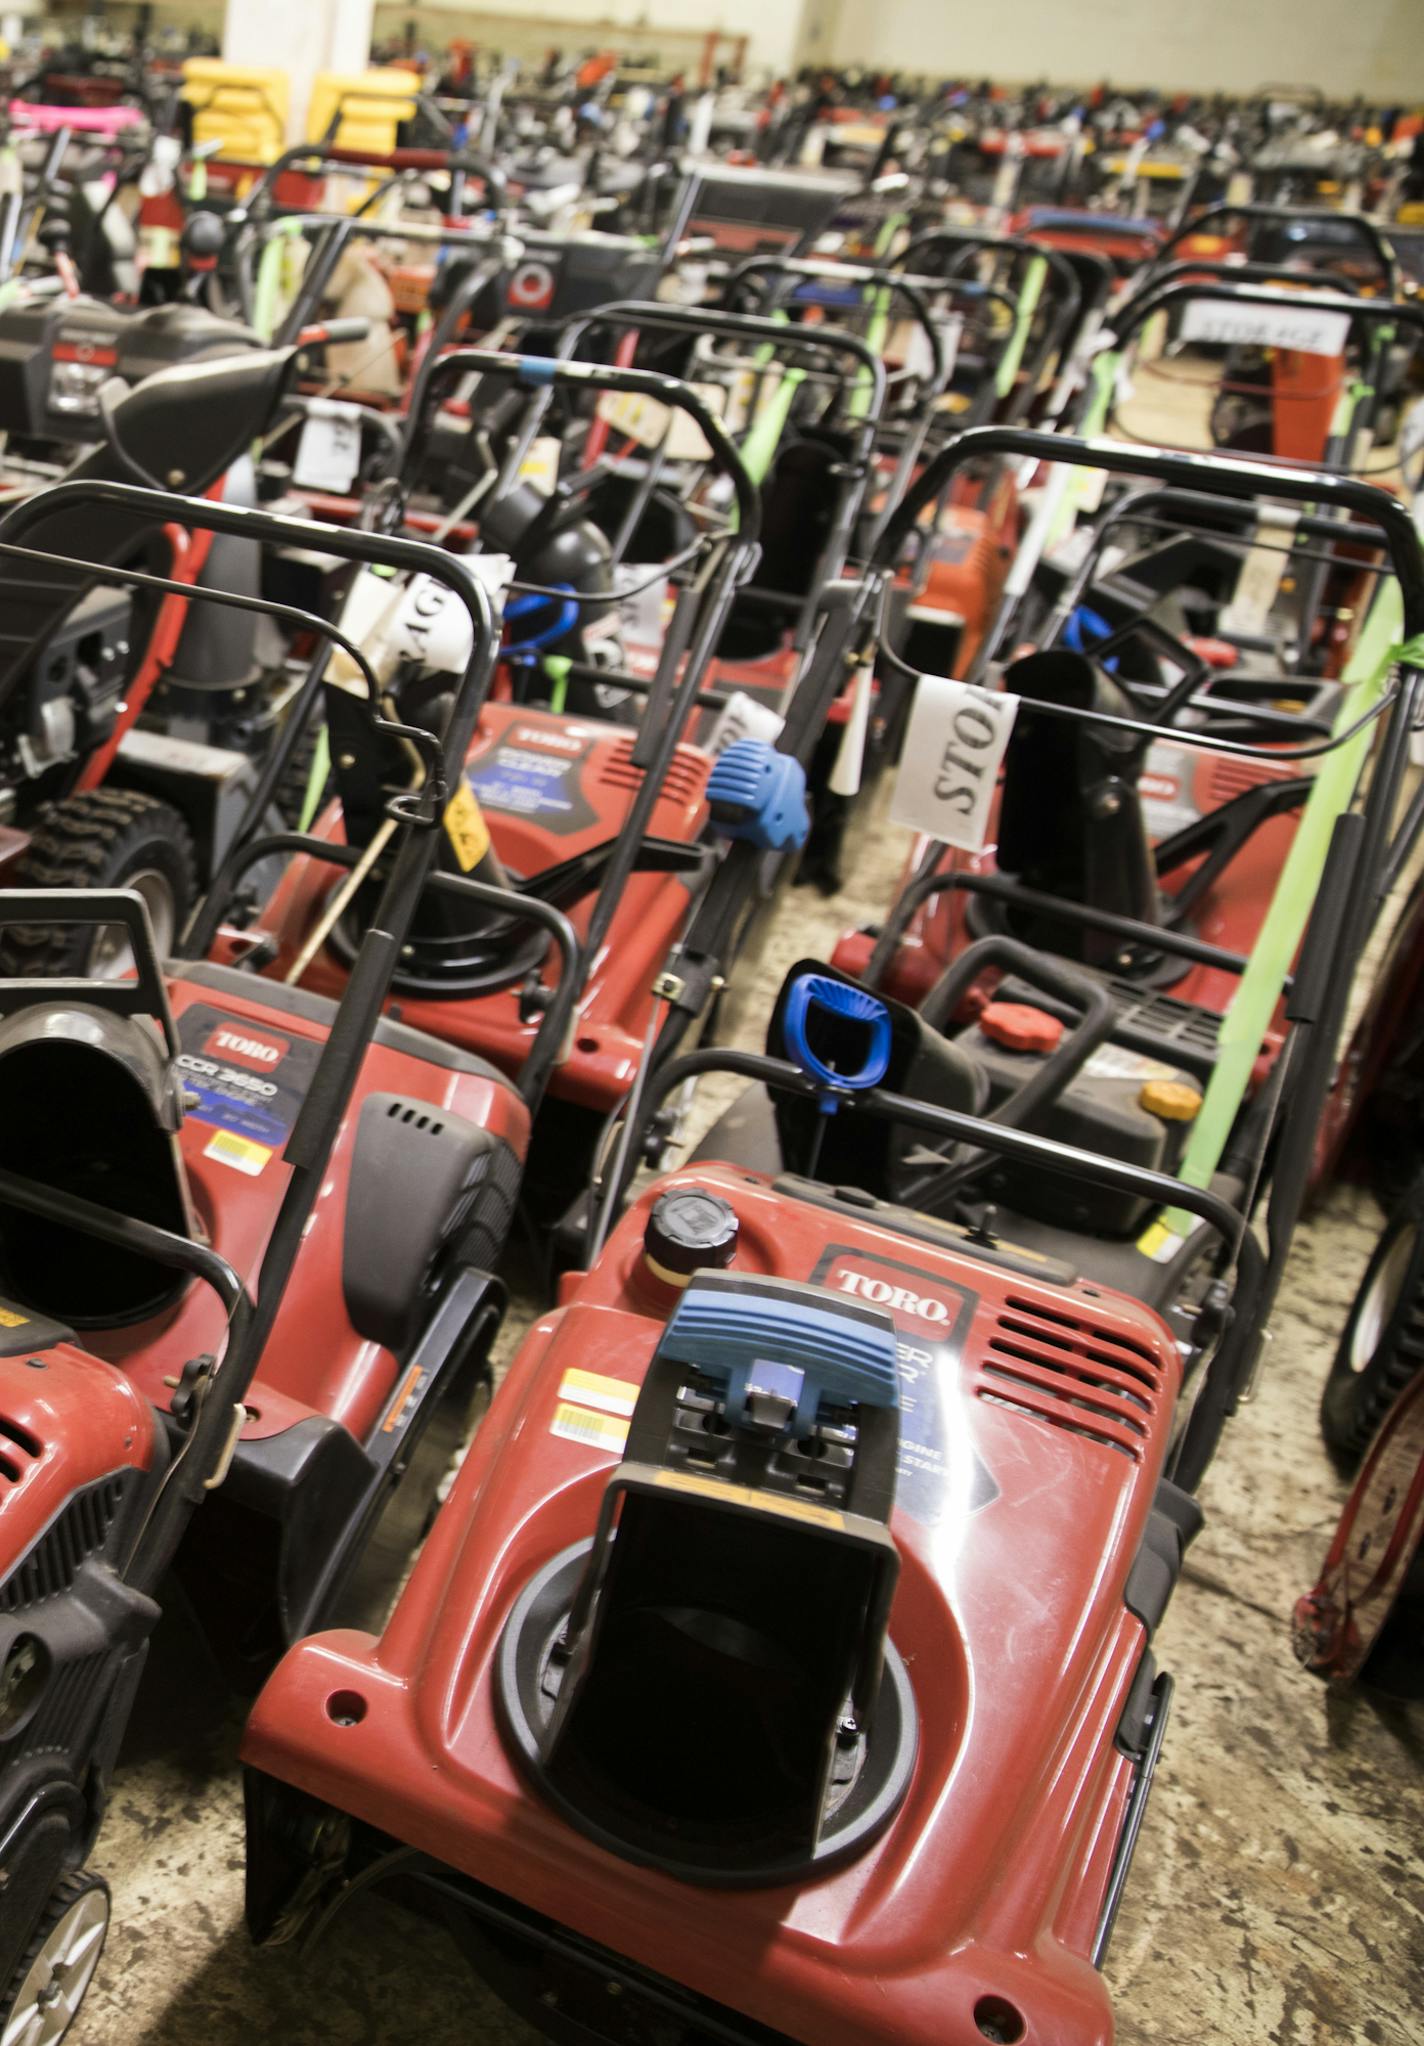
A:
(329, 451)
(916, 354)
(495, 571)
(1308, 329)
(541, 465)
(433, 627)
(652, 424)
(1259, 581)
(954, 748)
(640, 611)
(742, 717)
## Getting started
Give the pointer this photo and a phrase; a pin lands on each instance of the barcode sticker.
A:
(239, 1152)
(593, 1429)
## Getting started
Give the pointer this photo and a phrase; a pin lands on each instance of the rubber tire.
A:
(1355, 1402)
(96, 839)
(66, 1893)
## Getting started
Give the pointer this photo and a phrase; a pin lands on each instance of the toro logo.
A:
(537, 735)
(884, 1289)
(1161, 788)
(243, 1047)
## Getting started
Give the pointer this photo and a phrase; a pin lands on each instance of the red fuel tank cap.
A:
(1018, 1027)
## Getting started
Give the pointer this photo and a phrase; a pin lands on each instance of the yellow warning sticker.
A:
(9, 1318)
(239, 1152)
(592, 1389)
(466, 827)
(593, 1430)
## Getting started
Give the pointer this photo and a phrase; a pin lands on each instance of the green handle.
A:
(1246, 1022)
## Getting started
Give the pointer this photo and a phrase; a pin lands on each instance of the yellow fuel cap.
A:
(1173, 1100)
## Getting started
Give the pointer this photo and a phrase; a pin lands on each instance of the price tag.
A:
(1308, 329)
(742, 717)
(329, 451)
(1259, 582)
(495, 571)
(641, 610)
(432, 626)
(954, 749)
(916, 353)
(642, 418)
(541, 465)
(465, 827)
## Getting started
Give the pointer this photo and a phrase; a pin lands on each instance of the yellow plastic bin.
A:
(243, 110)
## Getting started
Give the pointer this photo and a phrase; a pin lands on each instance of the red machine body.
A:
(67, 1422)
(550, 788)
(1178, 783)
(248, 1059)
(1035, 1415)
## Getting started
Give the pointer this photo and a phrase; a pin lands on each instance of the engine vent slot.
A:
(80, 1531)
(413, 1115)
(1074, 1374)
(683, 782)
(70, 1697)
(19, 1448)
(1230, 777)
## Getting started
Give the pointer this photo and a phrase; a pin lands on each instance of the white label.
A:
(918, 356)
(1411, 442)
(329, 451)
(1259, 582)
(541, 465)
(495, 571)
(954, 749)
(742, 717)
(433, 627)
(652, 424)
(641, 610)
(1114, 1062)
(1308, 329)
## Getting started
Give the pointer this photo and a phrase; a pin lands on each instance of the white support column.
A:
(301, 37)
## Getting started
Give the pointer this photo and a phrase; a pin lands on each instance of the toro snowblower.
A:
(1204, 782)
(382, 1332)
(88, 798)
(606, 823)
(228, 1142)
(694, 1719)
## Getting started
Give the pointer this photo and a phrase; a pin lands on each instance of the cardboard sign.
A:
(954, 748)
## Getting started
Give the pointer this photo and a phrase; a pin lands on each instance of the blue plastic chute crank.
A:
(836, 998)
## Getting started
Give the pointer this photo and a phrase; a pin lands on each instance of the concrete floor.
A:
(1278, 1892)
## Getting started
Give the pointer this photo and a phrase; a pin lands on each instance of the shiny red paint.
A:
(66, 1419)
(1009, 1612)
(613, 1016)
(314, 1362)
(187, 554)
(1229, 915)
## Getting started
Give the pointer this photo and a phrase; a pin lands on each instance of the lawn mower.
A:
(262, 1264)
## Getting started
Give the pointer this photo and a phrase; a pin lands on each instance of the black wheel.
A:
(57, 1967)
(1382, 1347)
(103, 838)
